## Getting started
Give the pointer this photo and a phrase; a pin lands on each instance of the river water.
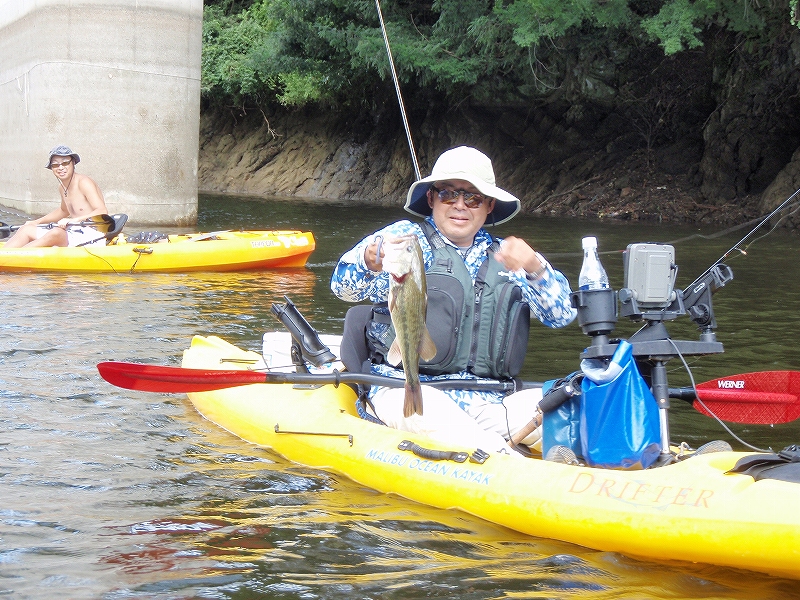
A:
(108, 493)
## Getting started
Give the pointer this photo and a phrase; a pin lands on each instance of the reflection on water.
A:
(108, 493)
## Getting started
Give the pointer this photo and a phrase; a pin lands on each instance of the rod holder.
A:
(306, 340)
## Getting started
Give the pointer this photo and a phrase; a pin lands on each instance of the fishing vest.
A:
(481, 328)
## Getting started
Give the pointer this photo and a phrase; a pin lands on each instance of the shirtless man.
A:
(81, 198)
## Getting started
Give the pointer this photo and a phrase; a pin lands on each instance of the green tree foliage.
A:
(331, 52)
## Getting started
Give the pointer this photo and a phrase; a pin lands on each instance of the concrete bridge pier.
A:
(116, 80)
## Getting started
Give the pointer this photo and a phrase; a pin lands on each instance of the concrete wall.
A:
(116, 80)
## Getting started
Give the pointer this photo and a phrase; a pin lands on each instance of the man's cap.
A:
(63, 151)
(470, 165)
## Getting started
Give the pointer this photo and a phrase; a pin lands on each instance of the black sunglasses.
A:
(471, 199)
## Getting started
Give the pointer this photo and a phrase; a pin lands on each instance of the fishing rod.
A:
(399, 95)
(744, 239)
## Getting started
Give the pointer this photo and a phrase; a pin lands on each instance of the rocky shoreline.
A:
(301, 155)
(635, 192)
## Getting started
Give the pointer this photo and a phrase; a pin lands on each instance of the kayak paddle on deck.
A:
(761, 398)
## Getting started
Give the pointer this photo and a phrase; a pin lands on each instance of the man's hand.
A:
(373, 256)
(515, 253)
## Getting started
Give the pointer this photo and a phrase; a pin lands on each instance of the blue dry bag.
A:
(561, 426)
(619, 422)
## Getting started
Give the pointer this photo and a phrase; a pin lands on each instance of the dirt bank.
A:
(296, 154)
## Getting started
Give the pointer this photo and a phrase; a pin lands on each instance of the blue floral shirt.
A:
(547, 295)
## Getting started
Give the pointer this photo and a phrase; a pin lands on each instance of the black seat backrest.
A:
(115, 229)
(353, 351)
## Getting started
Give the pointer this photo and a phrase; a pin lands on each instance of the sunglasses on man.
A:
(471, 199)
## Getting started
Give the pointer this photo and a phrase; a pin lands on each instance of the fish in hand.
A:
(408, 304)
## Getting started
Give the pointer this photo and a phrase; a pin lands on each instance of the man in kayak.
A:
(80, 198)
(481, 294)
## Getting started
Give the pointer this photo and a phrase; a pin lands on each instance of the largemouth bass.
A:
(408, 304)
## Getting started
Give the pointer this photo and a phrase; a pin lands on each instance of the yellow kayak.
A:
(691, 510)
(217, 251)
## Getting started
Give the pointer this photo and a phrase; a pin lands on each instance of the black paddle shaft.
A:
(6, 229)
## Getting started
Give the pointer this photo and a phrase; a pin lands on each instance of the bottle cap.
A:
(589, 242)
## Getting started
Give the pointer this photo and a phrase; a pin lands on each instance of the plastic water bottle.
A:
(593, 275)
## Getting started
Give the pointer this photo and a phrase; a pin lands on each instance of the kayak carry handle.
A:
(430, 454)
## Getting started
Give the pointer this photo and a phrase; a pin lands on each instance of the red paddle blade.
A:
(174, 380)
(761, 398)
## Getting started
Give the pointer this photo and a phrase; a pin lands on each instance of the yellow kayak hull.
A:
(220, 251)
(688, 511)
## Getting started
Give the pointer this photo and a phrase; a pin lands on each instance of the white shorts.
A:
(510, 417)
(486, 426)
(86, 236)
(78, 235)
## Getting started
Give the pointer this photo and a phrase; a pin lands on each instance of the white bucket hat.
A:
(470, 165)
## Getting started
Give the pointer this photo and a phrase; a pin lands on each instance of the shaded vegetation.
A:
(331, 53)
(669, 109)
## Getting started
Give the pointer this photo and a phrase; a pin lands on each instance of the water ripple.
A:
(115, 494)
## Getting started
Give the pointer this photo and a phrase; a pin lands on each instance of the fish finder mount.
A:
(649, 295)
